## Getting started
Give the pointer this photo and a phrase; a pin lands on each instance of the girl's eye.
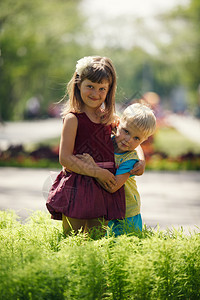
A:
(103, 89)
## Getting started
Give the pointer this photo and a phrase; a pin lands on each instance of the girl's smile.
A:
(93, 94)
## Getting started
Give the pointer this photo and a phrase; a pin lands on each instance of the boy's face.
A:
(128, 137)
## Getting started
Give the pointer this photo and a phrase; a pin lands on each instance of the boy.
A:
(137, 123)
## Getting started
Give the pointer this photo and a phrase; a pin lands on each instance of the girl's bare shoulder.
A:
(70, 117)
(70, 121)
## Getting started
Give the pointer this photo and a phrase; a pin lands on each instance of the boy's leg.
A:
(115, 228)
(125, 226)
(135, 223)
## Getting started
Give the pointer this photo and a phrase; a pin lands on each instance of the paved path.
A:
(168, 198)
(25, 132)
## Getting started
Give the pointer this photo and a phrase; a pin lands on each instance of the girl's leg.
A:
(70, 224)
(98, 223)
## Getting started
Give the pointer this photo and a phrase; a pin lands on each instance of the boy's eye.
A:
(136, 138)
(126, 131)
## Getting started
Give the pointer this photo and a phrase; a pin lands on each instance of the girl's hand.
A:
(104, 177)
(105, 186)
(139, 168)
(87, 158)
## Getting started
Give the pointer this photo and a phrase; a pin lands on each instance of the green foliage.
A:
(176, 62)
(38, 262)
(156, 162)
(37, 58)
(183, 50)
(26, 162)
(40, 41)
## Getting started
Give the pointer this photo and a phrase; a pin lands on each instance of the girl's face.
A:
(93, 94)
(128, 137)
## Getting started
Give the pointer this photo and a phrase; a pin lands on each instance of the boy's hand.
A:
(116, 121)
(139, 168)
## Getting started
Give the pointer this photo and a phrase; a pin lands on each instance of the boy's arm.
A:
(139, 167)
(120, 180)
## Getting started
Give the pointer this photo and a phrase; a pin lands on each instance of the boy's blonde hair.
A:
(141, 117)
(95, 69)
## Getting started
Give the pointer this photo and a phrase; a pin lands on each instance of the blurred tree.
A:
(39, 43)
(182, 51)
(174, 64)
(140, 72)
(192, 60)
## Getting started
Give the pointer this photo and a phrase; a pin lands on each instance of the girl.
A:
(76, 197)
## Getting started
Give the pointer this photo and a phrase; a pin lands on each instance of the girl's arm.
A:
(120, 179)
(71, 162)
(139, 167)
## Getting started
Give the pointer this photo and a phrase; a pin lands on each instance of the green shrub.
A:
(38, 262)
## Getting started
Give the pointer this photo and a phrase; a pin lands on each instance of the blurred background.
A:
(154, 45)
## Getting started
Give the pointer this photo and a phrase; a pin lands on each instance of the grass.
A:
(28, 162)
(156, 162)
(169, 141)
(37, 262)
(173, 152)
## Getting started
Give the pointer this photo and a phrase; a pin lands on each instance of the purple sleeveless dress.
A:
(80, 196)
